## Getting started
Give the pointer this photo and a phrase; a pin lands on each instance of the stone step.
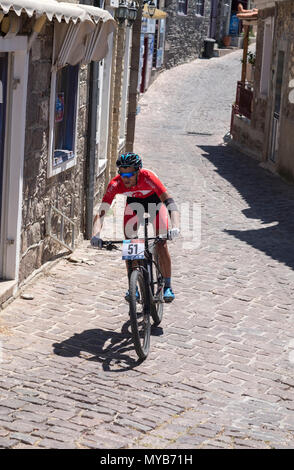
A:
(220, 52)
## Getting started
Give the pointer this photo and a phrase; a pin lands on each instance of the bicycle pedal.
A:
(168, 301)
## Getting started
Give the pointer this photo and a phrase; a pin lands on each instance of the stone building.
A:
(187, 25)
(267, 132)
(45, 52)
(222, 14)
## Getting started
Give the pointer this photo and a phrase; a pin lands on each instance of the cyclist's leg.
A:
(161, 227)
(130, 231)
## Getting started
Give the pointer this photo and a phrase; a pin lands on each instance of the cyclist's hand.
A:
(96, 241)
(173, 233)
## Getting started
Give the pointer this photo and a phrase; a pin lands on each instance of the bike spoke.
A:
(139, 314)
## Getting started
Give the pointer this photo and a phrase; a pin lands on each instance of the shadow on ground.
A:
(112, 349)
(270, 200)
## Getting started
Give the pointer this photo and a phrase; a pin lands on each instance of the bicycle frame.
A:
(146, 264)
(140, 275)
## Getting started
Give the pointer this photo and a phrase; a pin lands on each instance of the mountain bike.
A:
(146, 285)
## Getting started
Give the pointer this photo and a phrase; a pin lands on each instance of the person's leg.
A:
(164, 259)
(130, 231)
(161, 227)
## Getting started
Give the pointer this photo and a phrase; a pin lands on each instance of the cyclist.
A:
(145, 193)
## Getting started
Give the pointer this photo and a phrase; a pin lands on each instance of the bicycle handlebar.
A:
(111, 244)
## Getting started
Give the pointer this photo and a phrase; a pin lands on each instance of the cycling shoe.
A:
(127, 296)
(168, 295)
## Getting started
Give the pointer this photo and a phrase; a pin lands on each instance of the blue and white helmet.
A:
(129, 159)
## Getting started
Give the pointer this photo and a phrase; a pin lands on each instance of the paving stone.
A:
(25, 438)
(218, 371)
(20, 426)
(7, 443)
(52, 444)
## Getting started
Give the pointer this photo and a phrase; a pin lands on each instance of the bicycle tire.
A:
(140, 318)
(157, 305)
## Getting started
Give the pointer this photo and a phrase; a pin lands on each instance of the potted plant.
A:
(250, 61)
(227, 41)
(251, 58)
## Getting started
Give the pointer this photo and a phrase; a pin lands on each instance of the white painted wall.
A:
(14, 156)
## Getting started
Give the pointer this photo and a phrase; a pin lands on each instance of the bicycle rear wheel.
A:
(157, 307)
(139, 314)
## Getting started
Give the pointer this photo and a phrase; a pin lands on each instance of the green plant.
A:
(251, 58)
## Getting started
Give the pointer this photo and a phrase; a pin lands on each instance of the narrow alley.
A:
(220, 369)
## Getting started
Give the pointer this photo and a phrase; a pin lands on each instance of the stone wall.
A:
(66, 190)
(260, 102)
(258, 135)
(250, 135)
(247, 138)
(284, 39)
(261, 4)
(117, 98)
(185, 33)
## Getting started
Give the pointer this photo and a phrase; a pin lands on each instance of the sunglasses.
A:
(127, 175)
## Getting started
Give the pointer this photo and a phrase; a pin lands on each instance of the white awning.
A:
(81, 31)
(158, 14)
(80, 43)
(53, 9)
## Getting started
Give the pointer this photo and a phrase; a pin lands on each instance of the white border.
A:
(14, 154)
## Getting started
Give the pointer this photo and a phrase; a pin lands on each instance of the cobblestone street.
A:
(220, 373)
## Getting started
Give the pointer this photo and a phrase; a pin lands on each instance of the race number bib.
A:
(133, 249)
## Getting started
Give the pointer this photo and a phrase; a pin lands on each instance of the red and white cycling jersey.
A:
(148, 183)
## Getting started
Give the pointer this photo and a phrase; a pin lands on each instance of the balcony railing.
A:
(244, 100)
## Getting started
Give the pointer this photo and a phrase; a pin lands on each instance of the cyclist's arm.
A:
(99, 218)
(111, 191)
(172, 209)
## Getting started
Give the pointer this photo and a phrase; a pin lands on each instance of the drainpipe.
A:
(91, 141)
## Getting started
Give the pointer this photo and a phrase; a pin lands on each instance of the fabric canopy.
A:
(80, 33)
(158, 15)
(59, 10)
(80, 43)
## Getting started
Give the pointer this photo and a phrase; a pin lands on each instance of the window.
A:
(63, 114)
(200, 7)
(183, 7)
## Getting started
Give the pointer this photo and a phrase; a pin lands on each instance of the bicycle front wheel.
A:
(139, 314)
(157, 307)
